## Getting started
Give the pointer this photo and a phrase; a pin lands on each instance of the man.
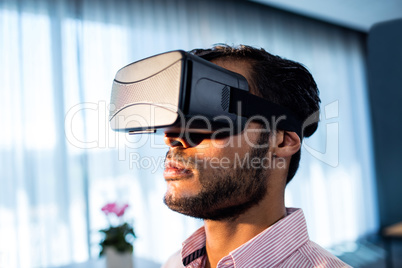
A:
(236, 183)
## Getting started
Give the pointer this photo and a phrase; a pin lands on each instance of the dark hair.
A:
(278, 80)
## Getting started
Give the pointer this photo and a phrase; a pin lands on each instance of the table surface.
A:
(101, 263)
(394, 230)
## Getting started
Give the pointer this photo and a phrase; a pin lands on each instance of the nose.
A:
(176, 140)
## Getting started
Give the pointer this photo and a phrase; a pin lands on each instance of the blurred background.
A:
(60, 163)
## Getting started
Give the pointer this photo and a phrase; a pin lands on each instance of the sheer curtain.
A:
(60, 163)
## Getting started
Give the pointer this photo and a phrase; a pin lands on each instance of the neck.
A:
(224, 236)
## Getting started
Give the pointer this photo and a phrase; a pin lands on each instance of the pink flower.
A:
(119, 210)
(115, 208)
(109, 208)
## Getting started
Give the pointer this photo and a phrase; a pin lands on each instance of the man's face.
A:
(220, 178)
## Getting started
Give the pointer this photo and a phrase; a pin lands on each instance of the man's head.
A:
(281, 81)
(222, 178)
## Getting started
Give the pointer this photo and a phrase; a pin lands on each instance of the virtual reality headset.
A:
(180, 92)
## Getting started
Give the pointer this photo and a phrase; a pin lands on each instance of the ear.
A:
(286, 143)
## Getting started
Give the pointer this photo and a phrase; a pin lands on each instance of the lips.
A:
(175, 170)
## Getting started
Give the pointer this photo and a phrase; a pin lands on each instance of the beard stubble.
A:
(225, 193)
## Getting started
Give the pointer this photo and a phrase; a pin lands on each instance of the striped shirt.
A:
(284, 244)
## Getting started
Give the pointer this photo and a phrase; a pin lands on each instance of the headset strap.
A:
(245, 104)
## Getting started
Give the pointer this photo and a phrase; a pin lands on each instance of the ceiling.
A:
(356, 14)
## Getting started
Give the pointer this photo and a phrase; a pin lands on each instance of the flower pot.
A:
(115, 259)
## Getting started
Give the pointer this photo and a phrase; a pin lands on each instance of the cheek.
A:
(221, 153)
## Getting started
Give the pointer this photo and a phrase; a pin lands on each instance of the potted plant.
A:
(117, 244)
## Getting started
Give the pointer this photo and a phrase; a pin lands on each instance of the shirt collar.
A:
(194, 246)
(267, 249)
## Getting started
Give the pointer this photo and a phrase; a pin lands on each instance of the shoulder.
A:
(174, 261)
(312, 255)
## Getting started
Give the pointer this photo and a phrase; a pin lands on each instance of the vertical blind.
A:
(60, 163)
